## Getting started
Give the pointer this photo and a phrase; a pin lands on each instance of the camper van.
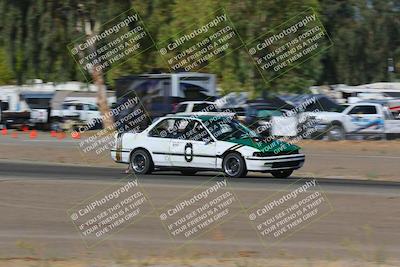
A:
(14, 111)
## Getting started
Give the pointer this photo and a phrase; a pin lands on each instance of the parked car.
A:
(364, 119)
(159, 93)
(74, 114)
(196, 106)
(257, 116)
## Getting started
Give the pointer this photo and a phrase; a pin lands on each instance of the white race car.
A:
(204, 142)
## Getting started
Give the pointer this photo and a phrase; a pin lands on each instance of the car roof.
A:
(195, 102)
(203, 116)
(76, 102)
(253, 106)
(362, 103)
(262, 105)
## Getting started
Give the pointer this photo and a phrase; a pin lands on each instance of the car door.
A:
(192, 146)
(158, 142)
(92, 112)
(366, 119)
(81, 111)
(71, 112)
(392, 126)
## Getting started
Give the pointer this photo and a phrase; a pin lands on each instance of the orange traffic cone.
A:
(53, 133)
(76, 135)
(33, 134)
(4, 131)
(25, 128)
(61, 135)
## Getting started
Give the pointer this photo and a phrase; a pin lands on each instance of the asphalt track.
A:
(66, 171)
(363, 222)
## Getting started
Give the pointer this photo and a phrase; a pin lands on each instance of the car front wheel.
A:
(234, 165)
(336, 133)
(141, 162)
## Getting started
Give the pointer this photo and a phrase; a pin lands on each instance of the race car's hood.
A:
(264, 146)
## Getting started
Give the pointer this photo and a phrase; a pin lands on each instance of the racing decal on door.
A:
(188, 156)
(365, 123)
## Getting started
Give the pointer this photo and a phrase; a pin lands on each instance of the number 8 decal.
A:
(188, 157)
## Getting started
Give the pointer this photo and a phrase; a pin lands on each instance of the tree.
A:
(6, 74)
(34, 35)
(365, 34)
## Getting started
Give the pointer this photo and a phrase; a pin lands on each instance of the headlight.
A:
(315, 119)
(271, 154)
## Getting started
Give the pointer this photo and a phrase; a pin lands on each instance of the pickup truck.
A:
(360, 119)
(75, 114)
(189, 107)
(71, 115)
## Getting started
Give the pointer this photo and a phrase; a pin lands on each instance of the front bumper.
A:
(284, 162)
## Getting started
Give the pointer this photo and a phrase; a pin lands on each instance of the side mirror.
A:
(209, 141)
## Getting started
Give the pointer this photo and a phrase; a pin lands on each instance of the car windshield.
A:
(268, 113)
(227, 128)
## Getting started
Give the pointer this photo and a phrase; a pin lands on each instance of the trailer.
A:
(160, 93)
(14, 112)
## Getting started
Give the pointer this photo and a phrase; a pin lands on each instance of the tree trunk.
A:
(97, 74)
(108, 121)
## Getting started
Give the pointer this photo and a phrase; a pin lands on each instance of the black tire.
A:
(336, 133)
(141, 162)
(317, 136)
(282, 173)
(234, 165)
(392, 136)
(188, 172)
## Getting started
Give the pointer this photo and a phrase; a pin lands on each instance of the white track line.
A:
(355, 156)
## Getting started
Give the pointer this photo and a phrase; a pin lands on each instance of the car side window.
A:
(92, 107)
(387, 115)
(182, 129)
(181, 108)
(164, 129)
(362, 110)
(240, 111)
(204, 108)
(72, 107)
(195, 131)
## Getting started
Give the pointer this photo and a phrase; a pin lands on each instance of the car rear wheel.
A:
(234, 165)
(282, 173)
(141, 162)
